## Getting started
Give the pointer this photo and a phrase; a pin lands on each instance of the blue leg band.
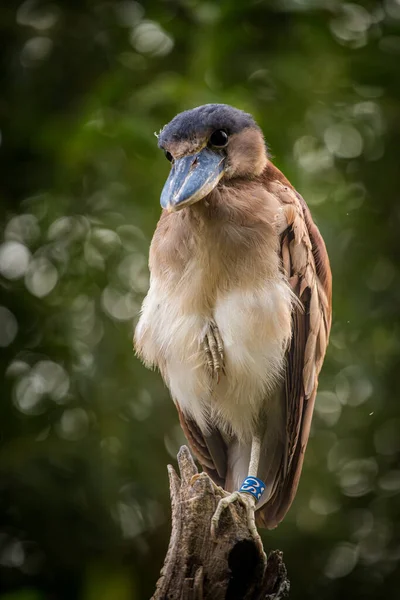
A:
(253, 486)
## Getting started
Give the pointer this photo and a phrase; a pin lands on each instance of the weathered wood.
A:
(197, 567)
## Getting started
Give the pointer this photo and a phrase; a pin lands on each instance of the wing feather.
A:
(306, 265)
(210, 450)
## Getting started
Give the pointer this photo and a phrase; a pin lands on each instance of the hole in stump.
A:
(243, 560)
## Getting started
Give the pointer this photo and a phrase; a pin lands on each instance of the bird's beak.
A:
(191, 178)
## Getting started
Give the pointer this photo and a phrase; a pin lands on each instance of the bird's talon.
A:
(247, 501)
(214, 351)
(194, 478)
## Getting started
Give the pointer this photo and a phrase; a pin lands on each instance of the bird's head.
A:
(208, 145)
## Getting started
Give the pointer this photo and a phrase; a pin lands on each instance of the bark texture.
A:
(197, 567)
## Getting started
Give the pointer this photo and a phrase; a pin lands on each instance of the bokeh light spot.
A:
(328, 407)
(118, 305)
(150, 38)
(390, 482)
(36, 50)
(14, 259)
(343, 140)
(41, 277)
(23, 228)
(73, 424)
(128, 12)
(357, 477)
(342, 560)
(39, 16)
(8, 327)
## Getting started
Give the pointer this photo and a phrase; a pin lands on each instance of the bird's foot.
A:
(214, 350)
(247, 501)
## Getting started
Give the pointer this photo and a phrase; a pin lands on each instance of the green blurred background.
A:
(86, 431)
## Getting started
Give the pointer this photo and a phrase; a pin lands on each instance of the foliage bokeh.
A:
(85, 430)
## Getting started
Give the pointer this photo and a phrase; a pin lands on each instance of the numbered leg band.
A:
(253, 486)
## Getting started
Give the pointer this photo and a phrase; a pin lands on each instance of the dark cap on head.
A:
(204, 120)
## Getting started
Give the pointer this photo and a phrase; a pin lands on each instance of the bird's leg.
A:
(214, 350)
(248, 495)
(254, 456)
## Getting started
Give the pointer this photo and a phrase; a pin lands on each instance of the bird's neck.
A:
(228, 239)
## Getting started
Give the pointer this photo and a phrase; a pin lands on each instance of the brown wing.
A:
(306, 264)
(210, 450)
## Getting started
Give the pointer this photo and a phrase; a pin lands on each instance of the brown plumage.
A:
(238, 313)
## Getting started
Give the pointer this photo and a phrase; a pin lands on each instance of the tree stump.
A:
(197, 567)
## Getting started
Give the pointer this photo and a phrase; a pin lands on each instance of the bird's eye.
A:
(219, 138)
(168, 156)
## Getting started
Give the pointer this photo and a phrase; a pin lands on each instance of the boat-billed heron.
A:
(238, 313)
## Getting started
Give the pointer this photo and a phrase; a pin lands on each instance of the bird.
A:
(238, 312)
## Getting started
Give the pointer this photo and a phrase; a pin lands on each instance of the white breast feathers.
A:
(255, 327)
